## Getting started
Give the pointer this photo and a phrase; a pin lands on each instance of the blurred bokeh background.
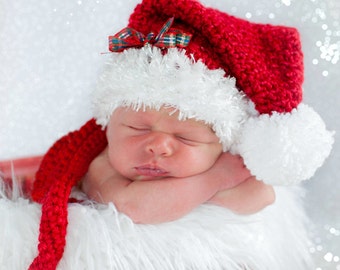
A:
(50, 58)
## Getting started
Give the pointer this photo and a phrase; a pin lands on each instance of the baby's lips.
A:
(151, 170)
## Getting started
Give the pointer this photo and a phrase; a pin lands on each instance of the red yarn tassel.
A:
(53, 226)
(62, 167)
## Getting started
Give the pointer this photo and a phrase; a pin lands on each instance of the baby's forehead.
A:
(165, 112)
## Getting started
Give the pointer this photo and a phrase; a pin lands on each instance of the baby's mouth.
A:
(149, 170)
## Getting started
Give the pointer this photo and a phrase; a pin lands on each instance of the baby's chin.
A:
(147, 178)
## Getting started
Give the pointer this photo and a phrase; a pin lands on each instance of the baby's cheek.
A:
(194, 163)
(116, 157)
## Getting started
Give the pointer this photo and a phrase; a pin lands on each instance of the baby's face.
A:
(151, 144)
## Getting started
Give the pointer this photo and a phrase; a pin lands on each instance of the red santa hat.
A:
(242, 78)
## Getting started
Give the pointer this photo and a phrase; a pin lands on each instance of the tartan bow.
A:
(129, 37)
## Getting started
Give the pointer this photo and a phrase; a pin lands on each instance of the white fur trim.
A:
(285, 148)
(278, 149)
(141, 78)
(98, 237)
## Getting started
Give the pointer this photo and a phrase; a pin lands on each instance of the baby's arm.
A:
(148, 201)
(160, 200)
(248, 197)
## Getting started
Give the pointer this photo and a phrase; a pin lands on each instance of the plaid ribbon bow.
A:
(129, 37)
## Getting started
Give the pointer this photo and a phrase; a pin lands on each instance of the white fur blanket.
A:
(210, 237)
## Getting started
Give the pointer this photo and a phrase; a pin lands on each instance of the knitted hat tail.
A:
(70, 158)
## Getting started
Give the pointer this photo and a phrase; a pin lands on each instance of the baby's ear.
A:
(285, 148)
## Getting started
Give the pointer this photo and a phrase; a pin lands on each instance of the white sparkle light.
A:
(286, 2)
(328, 257)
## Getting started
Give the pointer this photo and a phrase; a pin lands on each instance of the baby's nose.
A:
(161, 144)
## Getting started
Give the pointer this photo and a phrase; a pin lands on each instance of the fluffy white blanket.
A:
(210, 237)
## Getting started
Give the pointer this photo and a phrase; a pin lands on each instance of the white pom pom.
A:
(284, 149)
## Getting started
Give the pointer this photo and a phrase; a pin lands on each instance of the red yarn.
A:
(62, 167)
(266, 60)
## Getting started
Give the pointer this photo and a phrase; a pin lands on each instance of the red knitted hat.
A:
(242, 78)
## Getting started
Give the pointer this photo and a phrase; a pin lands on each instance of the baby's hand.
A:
(240, 191)
(230, 170)
(248, 197)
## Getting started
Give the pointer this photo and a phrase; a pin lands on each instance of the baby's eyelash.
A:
(184, 138)
(187, 140)
(138, 128)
